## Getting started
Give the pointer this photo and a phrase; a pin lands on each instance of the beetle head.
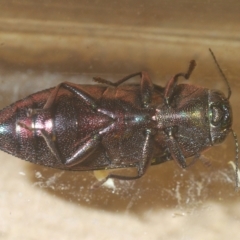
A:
(220, 116)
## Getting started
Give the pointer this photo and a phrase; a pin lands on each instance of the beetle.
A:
(112, 125)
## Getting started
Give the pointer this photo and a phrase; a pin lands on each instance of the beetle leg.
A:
(177, 154)
(90, 143)
(144, 162)
(84, 151)
(86, 147)
(175, 150)
(169, 89)
(73, 88)
(120, 81)
(146, 85)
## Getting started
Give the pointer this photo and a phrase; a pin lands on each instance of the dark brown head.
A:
(220, 116)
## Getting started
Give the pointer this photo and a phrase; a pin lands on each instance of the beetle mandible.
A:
(109, 126)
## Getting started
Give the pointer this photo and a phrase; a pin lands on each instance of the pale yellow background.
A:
(45, 42)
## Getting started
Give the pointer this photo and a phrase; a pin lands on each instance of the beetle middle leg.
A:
(143, 165)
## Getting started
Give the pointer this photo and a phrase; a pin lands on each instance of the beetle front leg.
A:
(146, 85)
(169, 89)
(144, 162)
(175, 149)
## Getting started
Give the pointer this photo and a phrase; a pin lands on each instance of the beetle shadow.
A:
(164, 186)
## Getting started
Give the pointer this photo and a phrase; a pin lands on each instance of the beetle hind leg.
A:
(86, 147)
(73, 88)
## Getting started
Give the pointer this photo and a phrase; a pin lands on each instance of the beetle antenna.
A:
(223, 75)
(236, 159)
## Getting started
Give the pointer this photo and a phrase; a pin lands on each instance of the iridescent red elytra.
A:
(116, 125)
